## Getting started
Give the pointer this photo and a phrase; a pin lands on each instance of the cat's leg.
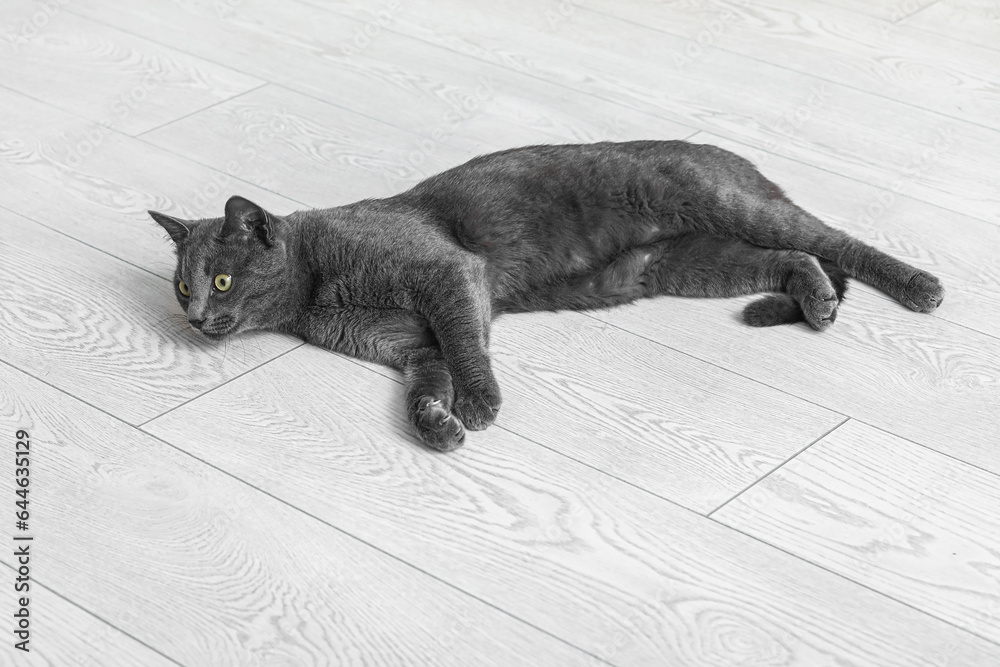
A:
(779, 223)
(706, 266)
(430, 399)
(777, 309)
(456, 301)
(402, 340)
(696, 265)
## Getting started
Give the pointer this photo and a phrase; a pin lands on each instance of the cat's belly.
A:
(569, 247)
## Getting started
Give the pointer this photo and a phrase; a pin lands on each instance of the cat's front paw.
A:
(478, 408)
(923, 293)
(437, 427)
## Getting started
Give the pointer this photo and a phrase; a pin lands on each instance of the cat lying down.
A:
(413, 281)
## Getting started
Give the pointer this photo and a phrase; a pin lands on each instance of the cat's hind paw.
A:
(923, 293)
(437, 427)
(772, 310)
(820, 308)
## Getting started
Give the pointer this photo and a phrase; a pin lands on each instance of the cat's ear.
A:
(178, 229)
(243, 216)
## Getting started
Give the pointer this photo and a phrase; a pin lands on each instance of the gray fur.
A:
(413, 281)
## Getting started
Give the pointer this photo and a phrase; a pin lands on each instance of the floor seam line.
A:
(737, 54)
(778, 467)
(218, 386)
(82, 242)
(855, 582)
(198, 111)
(36, 581)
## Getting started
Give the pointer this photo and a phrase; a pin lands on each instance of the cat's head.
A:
(229, 269)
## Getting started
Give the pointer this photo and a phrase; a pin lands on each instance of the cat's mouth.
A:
(218, 328)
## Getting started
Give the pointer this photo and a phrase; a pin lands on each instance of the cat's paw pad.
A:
(923, 293)
(477, 410)
(820, 308)
(437, 427)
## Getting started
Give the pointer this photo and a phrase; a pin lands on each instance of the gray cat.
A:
(413, 281)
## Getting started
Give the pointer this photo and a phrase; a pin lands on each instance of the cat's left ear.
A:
(178, 229)
(243, 216)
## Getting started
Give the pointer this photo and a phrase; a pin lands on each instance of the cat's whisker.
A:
(180, 318)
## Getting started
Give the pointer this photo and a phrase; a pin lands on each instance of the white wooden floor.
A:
(664, 486)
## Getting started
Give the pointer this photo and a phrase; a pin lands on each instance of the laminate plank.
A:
(212, 572)
(658, 419)
(359, 65)
(315, 152)
(919, 377)
(109, 76)
(945, 161)
(911, 523)
(106, 331)
(946, 74)
(964, 252)
(974, 21)
(63, 634)
(95, 184)
(893, 12)
(615, 570)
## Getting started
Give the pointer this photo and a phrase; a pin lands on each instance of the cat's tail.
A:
(776, 309)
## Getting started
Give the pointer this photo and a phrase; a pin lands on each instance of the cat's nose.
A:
(197, 323)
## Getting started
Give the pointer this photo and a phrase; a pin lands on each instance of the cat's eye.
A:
(223, 282)
(182, 286)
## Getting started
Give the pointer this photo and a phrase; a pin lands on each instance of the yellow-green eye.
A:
(183, 288)
(223, 281)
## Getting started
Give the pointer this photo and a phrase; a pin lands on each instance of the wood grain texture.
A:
(642, 412)
(920, 377)
(107, 75)
(801, 116)
(948, 74)
(977, 21)
(878, 117)
(660, 408)
(312, 151)
(210, 571)
(904, 520)
(64, 634)
(893, 12)
(360, 65)
(96, 185)
(963, 251)
(628, 576)
(106, 331)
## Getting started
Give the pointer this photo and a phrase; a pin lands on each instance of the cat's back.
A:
(371, 233)
(540, 167)
(534, 200)
(550, 183)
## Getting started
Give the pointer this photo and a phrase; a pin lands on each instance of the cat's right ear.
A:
(178, 229)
